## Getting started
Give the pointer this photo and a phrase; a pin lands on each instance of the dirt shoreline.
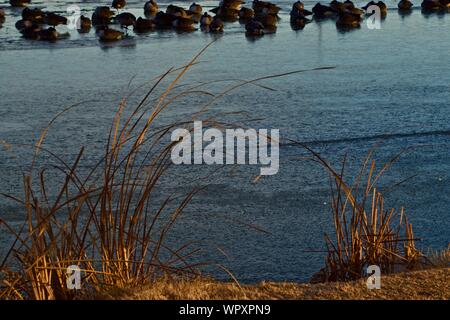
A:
(422, 285)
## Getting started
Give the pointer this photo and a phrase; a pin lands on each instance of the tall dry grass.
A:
(103, 220)
(366, 231)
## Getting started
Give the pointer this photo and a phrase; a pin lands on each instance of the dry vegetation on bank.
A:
(423, 284)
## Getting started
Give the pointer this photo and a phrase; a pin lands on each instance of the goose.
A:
(164, 20)
(31, 32)
(151, 7)
(19, 3)
(405, 5)
(205, 20)
(126, 19)
(183, 24)
(268, 20)
(246, 13)
(299, 23)
(383, 7)
(102, 16)
(143, 25)
(34, 15)
(226, 13)
(107, 34)
(216, 25)
(321, 11)
(195, 8)
(348, 4)
(53, 19)
(2, 17)
(85, 24)
(176, 11)
(49, 34)
(298, 10)
(430, 5)
(337, 6)
(23, 24)
(348, 20)
(254, 28)
(118, 4)
(444, 4)
(298, 5)
(263, 7)
(231, 4)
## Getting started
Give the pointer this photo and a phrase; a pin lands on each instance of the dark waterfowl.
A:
(102, 16)
(106, 34)
(383, 7)
(246, 13)
(299, 7)
(254, 28)
(231, 4)
(263, 8)
(118, 4)
(299, 23)
(445, 4)
(226, 13)
(298, 11)
(348, 4)
(53, 19)
(22, 24)
(355, 11)
(430, 5)
(195, 11)
(268, 20)
(126, 19)
(35, 15)
(195, 8)
(19, 3)
(164, 20)
(228, 10)
(49, 34)
(85, 24)
(31, 32)
(144, 25)
(2, 17)
(337, 6)
(348, 20)
(216, 25)
(151, 7)
(205, 20)
(321, 11)
(405, 5)
(177, 11)
(183, 24)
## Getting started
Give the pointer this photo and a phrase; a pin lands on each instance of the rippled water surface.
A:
(390, 89)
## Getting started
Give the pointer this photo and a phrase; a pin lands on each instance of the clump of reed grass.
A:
(366, 231)
(104, 220)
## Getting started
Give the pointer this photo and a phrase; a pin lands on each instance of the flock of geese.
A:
(262, 17)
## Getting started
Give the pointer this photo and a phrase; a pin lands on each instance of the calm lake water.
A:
(390, 89)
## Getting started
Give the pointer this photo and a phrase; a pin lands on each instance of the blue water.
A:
(390, 89)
